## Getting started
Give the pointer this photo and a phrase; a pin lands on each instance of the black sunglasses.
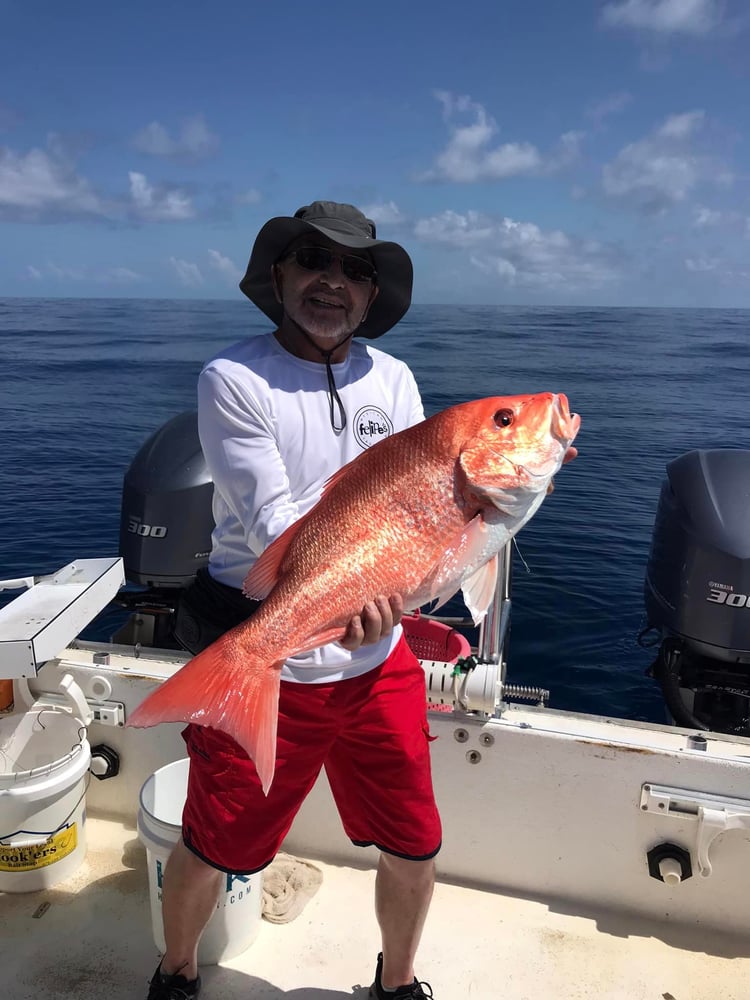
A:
(320, 259)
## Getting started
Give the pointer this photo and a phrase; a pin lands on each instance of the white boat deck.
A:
(94, 942)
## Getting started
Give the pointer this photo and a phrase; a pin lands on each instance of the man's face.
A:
(326, 303)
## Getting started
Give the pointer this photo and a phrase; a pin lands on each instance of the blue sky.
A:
(524, 151)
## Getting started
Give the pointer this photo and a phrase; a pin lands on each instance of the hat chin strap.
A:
(334, 400)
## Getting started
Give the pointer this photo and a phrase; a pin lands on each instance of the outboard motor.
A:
(165, 519)
(697, 590)
(165, 527)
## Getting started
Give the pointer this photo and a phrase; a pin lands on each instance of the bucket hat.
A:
(347, 226)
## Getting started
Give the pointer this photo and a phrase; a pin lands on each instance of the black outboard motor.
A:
(697, 590)
(165, 519)
(165, 527)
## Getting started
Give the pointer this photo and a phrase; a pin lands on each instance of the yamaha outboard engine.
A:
(165, 527)
(697, 590)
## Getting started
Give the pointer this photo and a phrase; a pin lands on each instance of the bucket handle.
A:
(32, 838)
(28, 840)
(68, 688)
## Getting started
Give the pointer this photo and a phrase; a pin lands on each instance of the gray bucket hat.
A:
(347, 226)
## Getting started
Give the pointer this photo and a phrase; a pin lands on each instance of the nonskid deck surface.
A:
(94, 942)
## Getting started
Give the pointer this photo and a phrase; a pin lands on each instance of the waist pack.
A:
(207, 610)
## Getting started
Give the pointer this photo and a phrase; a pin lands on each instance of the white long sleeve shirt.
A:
(265, 429)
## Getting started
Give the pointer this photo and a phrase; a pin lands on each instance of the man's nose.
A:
(334, 274)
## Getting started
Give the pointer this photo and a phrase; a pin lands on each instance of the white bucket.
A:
(44, 763)
(236, 922)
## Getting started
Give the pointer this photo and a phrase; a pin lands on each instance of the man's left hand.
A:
(570, 454)
(377, 619)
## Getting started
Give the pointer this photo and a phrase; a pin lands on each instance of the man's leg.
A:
(190, 890)
(403, 890)
(228, 819)
(380, 775)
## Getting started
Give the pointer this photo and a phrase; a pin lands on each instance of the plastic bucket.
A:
(236, 922)
(44, 763)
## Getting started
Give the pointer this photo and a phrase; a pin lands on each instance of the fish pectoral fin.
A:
(479, 589)
(463, 551)
(264, 574)
(226, 688)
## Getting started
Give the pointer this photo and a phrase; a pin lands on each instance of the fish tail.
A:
(237, 694)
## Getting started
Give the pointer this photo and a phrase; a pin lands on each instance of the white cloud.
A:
(195, 140)
(383, 213)
(728, 223)
(661, 169)
(468, 156)
(122, 275)
(682, 126)
(40, 184)
(188, 274)
(521, 254)
(614, 104)
(724, 271)
(568, 150)
(702, 264)
(706, 217)
(226, 267)
(44, 186)
(664, 17)
(65, 273)
(249, 197)
(471, 156)
(465, 231)
(158, 205)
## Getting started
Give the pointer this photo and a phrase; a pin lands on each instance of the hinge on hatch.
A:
(713, 813)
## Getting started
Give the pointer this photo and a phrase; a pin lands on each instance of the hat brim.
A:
(392, 263)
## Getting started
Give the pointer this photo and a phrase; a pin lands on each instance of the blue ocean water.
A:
(86, 381)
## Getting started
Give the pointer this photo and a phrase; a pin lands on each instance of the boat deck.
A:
(94, 941)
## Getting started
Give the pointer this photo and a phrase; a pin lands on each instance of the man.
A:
(278, 415)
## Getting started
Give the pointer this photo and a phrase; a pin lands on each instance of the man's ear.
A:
(276, 282)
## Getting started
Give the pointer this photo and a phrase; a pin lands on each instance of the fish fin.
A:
(332, 480)
(219, 688)
(479, 589)
(463, 550)
(262, 578)
(264, 574)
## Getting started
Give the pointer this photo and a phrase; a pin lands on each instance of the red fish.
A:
(422, 513)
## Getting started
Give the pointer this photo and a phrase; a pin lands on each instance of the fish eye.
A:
(504, 418)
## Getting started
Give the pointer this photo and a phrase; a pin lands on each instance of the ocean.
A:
(86, 381)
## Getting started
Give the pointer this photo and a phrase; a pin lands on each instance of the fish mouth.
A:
(564, 425)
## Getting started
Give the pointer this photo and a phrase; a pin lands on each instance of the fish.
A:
(422, 513)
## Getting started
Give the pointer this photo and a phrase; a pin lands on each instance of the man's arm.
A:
(243, 458)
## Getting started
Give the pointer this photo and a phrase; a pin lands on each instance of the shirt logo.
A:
(371, 425)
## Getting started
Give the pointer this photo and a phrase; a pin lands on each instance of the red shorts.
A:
(370, 733)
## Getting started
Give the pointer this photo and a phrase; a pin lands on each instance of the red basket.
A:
(431, 640)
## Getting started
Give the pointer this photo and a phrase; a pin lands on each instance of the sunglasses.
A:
(321, 259)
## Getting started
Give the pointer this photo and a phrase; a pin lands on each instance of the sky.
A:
(540, 152)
